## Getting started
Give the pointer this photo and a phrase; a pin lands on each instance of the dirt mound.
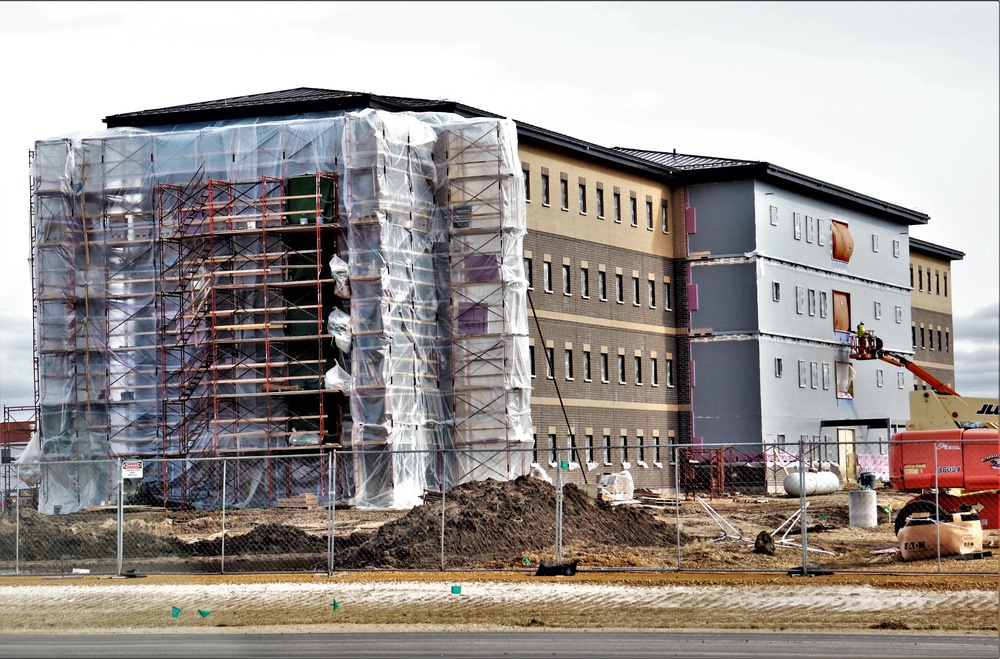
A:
(265, 539)
(485, 520)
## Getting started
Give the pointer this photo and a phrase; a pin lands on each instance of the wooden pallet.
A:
(299, 501)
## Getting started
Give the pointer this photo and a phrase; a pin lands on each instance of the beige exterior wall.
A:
(930, 300)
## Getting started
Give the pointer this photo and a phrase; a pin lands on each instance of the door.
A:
(845, 442)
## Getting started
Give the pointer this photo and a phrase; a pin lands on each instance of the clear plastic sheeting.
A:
(183, 275)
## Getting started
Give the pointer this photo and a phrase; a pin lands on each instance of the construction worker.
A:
(862, 338)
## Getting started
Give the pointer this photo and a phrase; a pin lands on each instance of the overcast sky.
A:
(896, 100)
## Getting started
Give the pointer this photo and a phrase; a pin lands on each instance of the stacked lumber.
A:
(299, 501)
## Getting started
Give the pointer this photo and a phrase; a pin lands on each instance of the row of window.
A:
(839, 230)
(604, 362)
(816, 375)
(583, 200)
(602, 284)
(640, 449)
(927, 340)
(936, 289)
(808, 301)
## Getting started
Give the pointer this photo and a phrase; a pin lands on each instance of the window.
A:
(947, 348)
(656, 451)
(920, 277)
(527, 273)
(800, 299)
(638, 370)
(569, 364)
(527, 184)
(843, 243)
(797, 225)
(633, 213)
(812, 302)
(809, 229)
(564, 194)
(774, 216)
(651, 292)
(531, 360)
(534, 448)
(913, 333)
(670, 372)
(776, 292)
(584, 282)
(664, 217)
(589, 457)
(552, 449)
(619, 293)
(823, 304)
(875, 243)
(635, 291)
(841, 311)
(900, 380)
(826, 377)
(820, 236)
(567, 288)
(616, 200)
(899, 315)
(583, 199)
(802, 374)
(602, 285)
(939, 339)
(571, 445)
(600, 203)
(878, 311)
(923, 344)
(621, 369)
(604, 367)
(945, 284)
(895, 249)
(666, 296)
(937, 283)
(586, 365)
(607, 449)
(878, 377)
(911, 276)
(545, 189)
(654, 374)
(779, 368)
(640, 450)
(813, 375)
(649, 215)
(624, 439)
(549, 362)
(845, 380)
(547, 276)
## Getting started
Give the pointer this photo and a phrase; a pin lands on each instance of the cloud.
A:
(977, 352)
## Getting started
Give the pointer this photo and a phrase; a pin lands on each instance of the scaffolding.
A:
(257, 287)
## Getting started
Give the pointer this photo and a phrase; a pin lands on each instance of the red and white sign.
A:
(132, 469)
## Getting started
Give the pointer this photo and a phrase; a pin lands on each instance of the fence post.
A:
(559, 509)
(222, 560)
(121, 518)
(676, 450)
(331, 504)
(17, 521)
(937, 506)
(803, 518)
(444, 495)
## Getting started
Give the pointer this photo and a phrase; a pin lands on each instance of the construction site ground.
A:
(496, 534)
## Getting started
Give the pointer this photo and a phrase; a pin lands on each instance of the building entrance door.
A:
(845, 442)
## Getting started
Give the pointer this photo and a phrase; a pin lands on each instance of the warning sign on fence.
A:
(132, 469)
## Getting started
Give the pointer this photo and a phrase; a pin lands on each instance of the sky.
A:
(897, 100)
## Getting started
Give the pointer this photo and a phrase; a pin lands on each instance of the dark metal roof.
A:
(300, 100)
(705, 169)
(924, 247)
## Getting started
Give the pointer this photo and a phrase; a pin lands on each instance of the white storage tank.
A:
(816, 482)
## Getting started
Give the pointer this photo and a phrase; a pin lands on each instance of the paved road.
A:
(513, 644)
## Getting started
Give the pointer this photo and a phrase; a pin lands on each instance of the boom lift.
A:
(949, 453)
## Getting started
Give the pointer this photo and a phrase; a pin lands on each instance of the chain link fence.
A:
(805, 509)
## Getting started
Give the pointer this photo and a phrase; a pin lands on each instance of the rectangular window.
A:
(585, 282)
(899, 315)
(900, 380)
(947, 348)
(602, 285)
(802, 373)
(797, 225)
(823, 304)
(878, 311)
(651, 286)
(666, 296)
(569, 364)
(878, 377)
(567, 288)
(604, 367)
(945, 284)
(809, 229)
(635, 291)
(616, 201)
(531, 360)
(845, 380)
(826, 377)
(774, 216)
(590, 449)
(670, 372)
(621, 369)
(813, 375)
(820, 236)
(800, 299)
(875, 242)
(607, 449)
(640, 450)
(552, 449)
(841, 311)
(812, 302)
(619, 293)
(638, 370)
(624, 439)
(779, 367)
(920, 277)
(939, 339)
(586, 365)
(527, 184)
(913, 335)
(895, 249)
(911, 276)
(937, 283)
(649, 215)
(527, 274)
(664, 217)
(843, 243)
(654, 373)
(776, 292)
(583, 199)
(930, 338)
(923, 344)
(600, 203)
(633, 211)
(564, 194)
(549, 362)
(547, 276)
(545, 189)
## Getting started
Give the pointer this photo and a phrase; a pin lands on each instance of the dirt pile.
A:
(488, 520)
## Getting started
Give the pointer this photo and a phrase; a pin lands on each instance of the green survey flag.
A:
(335, 605)
(175, 611)
(204, 613)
